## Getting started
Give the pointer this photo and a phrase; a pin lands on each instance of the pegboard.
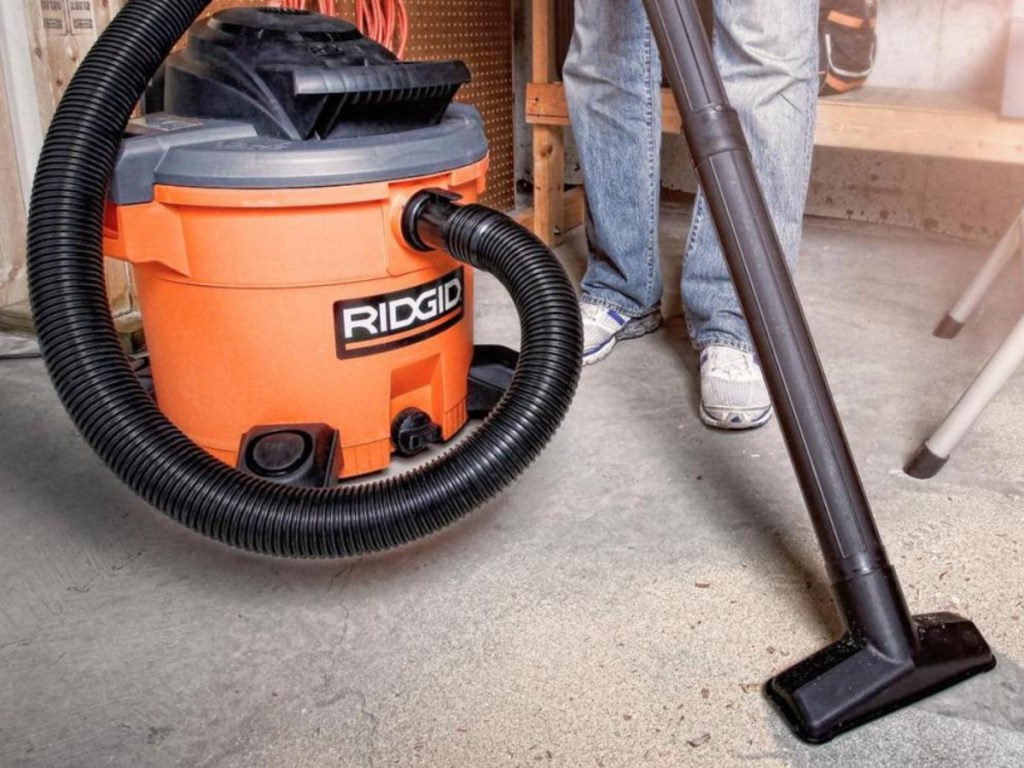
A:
(480, 33)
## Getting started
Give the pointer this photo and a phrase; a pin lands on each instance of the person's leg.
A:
(768, 58)
(767, 54)
(612, 83)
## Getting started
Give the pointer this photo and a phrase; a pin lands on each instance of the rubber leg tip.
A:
(948, 328)
(925, 464)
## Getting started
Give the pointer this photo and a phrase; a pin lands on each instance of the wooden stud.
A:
(548, 181)
(548, 140)
(542, 24)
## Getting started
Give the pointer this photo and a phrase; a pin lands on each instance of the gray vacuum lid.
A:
(220, 154)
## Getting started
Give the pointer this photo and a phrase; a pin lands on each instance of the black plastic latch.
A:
(413, 432)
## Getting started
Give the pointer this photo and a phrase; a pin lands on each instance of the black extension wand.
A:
(887, 658)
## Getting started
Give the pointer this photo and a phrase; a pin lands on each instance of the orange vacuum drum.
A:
(274, 282)
(299, 306)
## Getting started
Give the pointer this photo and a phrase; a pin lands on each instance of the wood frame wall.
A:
(41, 45)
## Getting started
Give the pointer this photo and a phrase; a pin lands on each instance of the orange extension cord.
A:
(384, 21)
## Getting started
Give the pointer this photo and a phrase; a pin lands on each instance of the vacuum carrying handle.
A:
(409, 82)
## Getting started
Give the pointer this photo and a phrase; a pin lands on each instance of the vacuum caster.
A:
(307, 455)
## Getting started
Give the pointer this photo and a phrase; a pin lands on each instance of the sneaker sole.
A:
(601, 352)
(634, 329)
(640, 326)
(734, 426)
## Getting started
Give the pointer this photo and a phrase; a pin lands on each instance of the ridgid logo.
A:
(382, 323)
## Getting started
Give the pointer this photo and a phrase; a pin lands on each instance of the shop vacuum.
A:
(298, 207)
(283, 204)
(299, 212)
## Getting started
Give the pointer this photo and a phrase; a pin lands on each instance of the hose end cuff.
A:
(425, 218)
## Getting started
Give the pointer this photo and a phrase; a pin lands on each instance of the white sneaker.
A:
(603, 327)
(732, 390)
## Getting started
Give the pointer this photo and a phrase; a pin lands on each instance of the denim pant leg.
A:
(612, 83)
(768, 55)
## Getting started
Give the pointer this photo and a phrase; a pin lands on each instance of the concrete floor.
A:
(620, 606)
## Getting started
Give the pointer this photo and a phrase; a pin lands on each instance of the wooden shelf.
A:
(914, 122)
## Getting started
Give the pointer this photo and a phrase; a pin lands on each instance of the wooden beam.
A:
(542, 40)
(915, 122)
(548, 139)
(548, 181)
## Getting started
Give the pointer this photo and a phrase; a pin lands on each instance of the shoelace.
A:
(731, 364)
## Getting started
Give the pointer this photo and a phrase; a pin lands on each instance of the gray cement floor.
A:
(620, 606)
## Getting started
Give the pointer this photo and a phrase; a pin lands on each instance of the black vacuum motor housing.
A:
(300, 75)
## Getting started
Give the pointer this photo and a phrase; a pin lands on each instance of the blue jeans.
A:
(767, 53)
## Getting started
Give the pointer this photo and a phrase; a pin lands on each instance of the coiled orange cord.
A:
(386, 21)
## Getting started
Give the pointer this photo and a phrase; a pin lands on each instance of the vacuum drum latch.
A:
(413, 432)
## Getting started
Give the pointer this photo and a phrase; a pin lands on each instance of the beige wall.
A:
(949, 45)
(13, 286)
(54, 40)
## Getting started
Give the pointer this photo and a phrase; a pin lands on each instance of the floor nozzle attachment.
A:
(851, 682)
(886, 660)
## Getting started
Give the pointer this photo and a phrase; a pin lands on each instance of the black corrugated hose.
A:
(120, 421)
